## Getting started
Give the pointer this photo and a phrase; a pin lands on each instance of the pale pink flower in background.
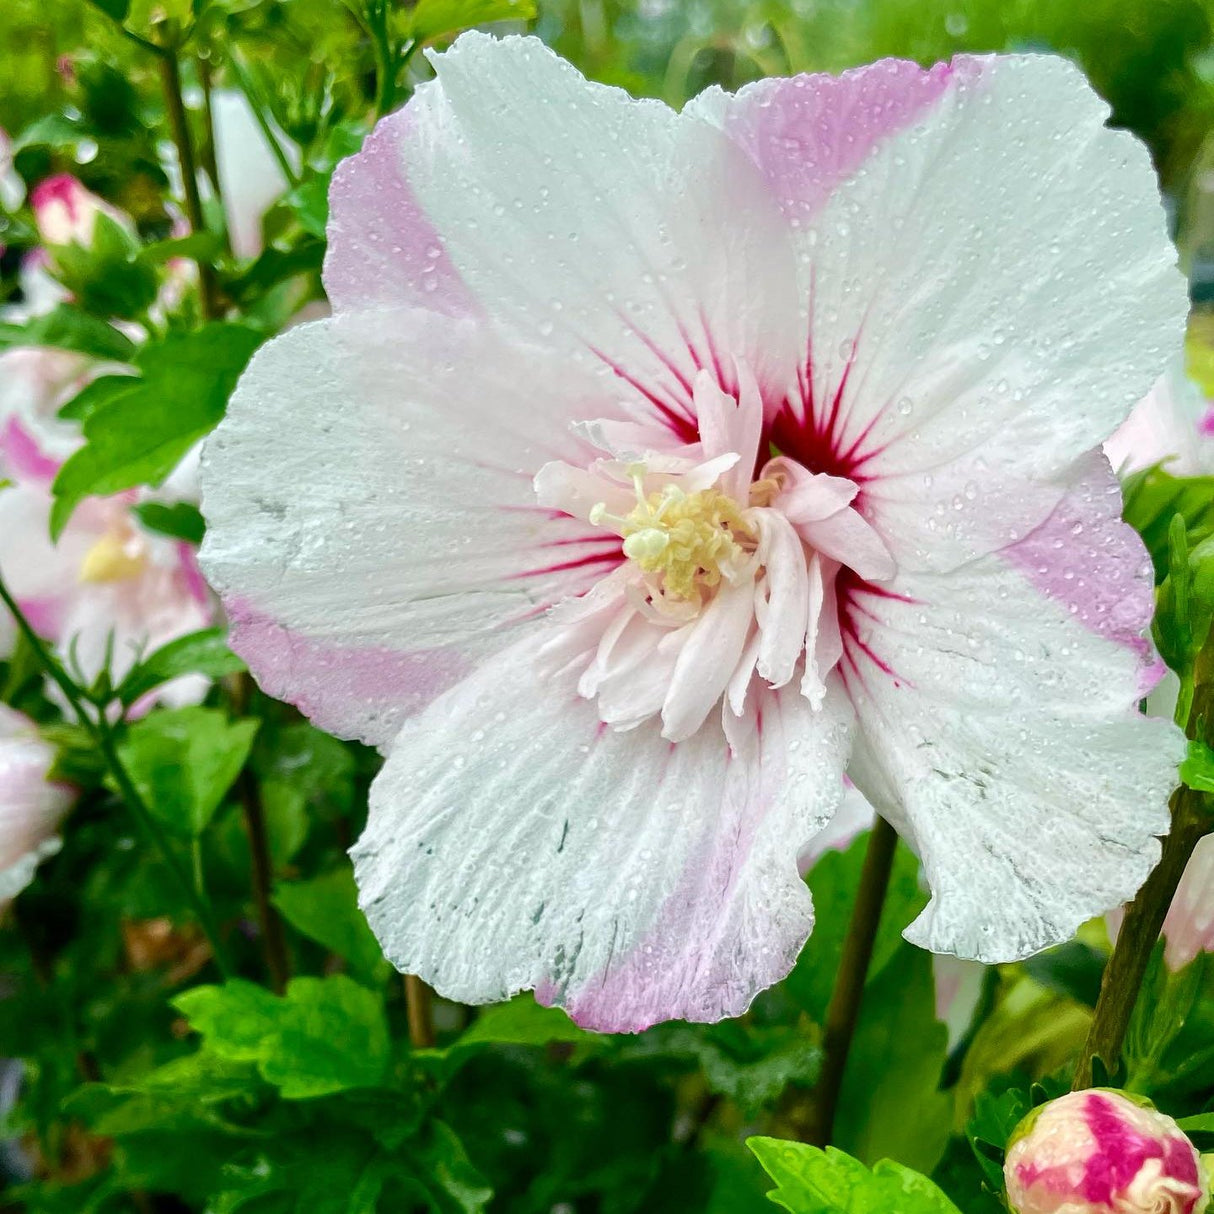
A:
(66, 211)
(109, 587)
(514, 514)
(35, 383)
(1099, 1152)
(1189, 928)
(1172, 425)
(31, 805)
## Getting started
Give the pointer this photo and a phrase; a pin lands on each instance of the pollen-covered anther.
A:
(689, 542)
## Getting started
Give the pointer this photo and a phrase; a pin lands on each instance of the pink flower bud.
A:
(66, 212)
(1100, 1152)
(1189, 927)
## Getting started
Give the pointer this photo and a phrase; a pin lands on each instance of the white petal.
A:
(372, 522)
(515, 843)
(999, 733)
(641, 241)
(707, 658)
(782, 616)
(990, 292)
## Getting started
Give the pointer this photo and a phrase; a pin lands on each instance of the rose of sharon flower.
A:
(1099, 1152)
(109, 589)
(651, 462)
(31, 806)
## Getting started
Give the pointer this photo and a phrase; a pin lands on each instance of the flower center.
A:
(117, 555)
(687, 541)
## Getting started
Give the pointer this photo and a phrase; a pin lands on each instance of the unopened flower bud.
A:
(1101, 1152)
(66, 212)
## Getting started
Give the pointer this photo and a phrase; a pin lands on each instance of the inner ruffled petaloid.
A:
(729, 566)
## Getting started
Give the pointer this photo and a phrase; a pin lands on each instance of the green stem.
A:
(419, 1002)
(844, 1011)
(210, 164)
(101, 732)
(170, 77)
(1126, 968)
(262, 875)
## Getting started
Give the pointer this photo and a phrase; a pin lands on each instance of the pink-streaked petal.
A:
(808, 133)
(35, 383)
(1001, 736)
(987, 297)
(383, 251)
(1096, 566)
(397, 514)
(639, 242)
(513, 843)
(21, 458)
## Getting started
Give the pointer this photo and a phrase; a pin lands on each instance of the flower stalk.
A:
(843, 1014)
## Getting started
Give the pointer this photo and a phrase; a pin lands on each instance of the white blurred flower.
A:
(249, 176)
(31, 806)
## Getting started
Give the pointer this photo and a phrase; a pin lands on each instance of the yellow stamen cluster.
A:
(113, 558)
(689, 540)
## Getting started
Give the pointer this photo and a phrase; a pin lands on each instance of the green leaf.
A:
(95, 394)
(439, 18)
(1201, 1123)
(833, 881)
(752, 1064)
(325, 1035)
(890, 1103)
(205, 652)
(198, 246)
(1073, 969)
(68, 328)
(139, 437)
(522, 1021)
(989, 1128)
(810, 1181)
(235, 1019)
(179, 521)
(182, 762)
(325, 909)
(1197, 771)
(1153, 496)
